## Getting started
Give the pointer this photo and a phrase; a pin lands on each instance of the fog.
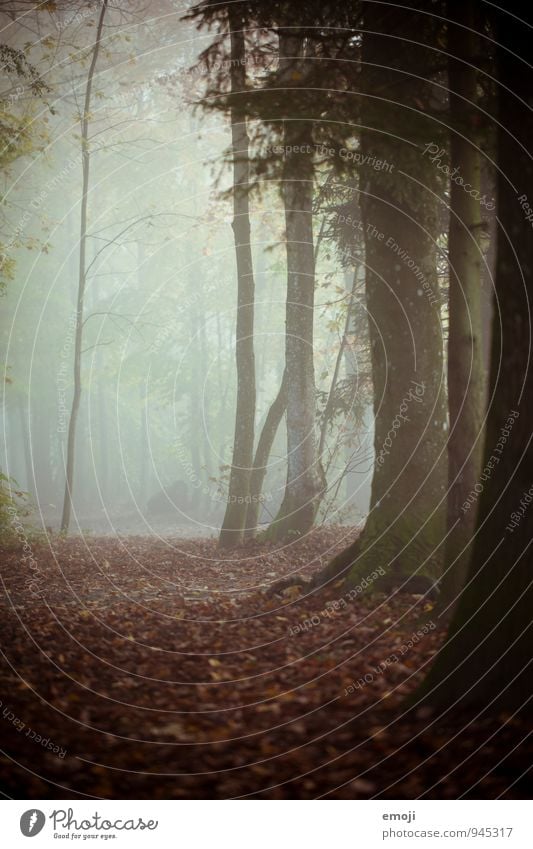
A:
(154, 434)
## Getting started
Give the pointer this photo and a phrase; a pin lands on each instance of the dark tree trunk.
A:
(486, 660)
(465, 355)
(488, 268)
(405, 526)
(304, 474)
(232, 530)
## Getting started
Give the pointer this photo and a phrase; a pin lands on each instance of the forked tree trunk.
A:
(304, 474)
(268, 434)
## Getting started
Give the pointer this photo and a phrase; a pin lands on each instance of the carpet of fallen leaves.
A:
(161, 668)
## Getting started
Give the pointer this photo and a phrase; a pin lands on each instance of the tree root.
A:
(342, 568)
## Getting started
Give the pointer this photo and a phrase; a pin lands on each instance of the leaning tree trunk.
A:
(465, 355)
(405, 526)
(304, 474)
(262, 454)
(82, 280)
(486, 660)
(234, 523)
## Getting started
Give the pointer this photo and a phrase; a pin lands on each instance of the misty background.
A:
(157, 411)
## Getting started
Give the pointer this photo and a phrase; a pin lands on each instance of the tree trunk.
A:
(486, 660)
(264, 447)
(206, 411)
(329, 409)
(196, 420)
(78, 333)
(40, 450)
(268, 434)
(232, 530)
(305, 480)
(465, 356)
(25, 439)
(144, 443)
(102, 470)
(405, 525)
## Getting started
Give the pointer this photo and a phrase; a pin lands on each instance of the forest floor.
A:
(144, 668)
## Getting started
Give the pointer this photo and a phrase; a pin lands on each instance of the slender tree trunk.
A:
(351, 374)
(195, 416)
(78, 334)
(330, 403)
(406, 523)
(206, 406)
(102, 470)
(40, 451)
(224, 391)
(329, 409)
(143, 443)
(465, 360)
(266, 297)
(268, 434)
(234, 522)
(264, 447)
(305, 479)
(24, 437)
(486, 660)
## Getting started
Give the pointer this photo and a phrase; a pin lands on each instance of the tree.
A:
(234, 522)
(405, 526)
(278, 102)
(465, 358)
(82, 278)
(266, 439)
(486, 659)
(305, 479)
(19, 134)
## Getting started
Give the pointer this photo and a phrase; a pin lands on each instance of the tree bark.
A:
(262, 453)
(329, 409)
(485, 663)
(305, 480)
(234, 522)
(465, 355)
(78, 332)
(268, 435)
(405, 525)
